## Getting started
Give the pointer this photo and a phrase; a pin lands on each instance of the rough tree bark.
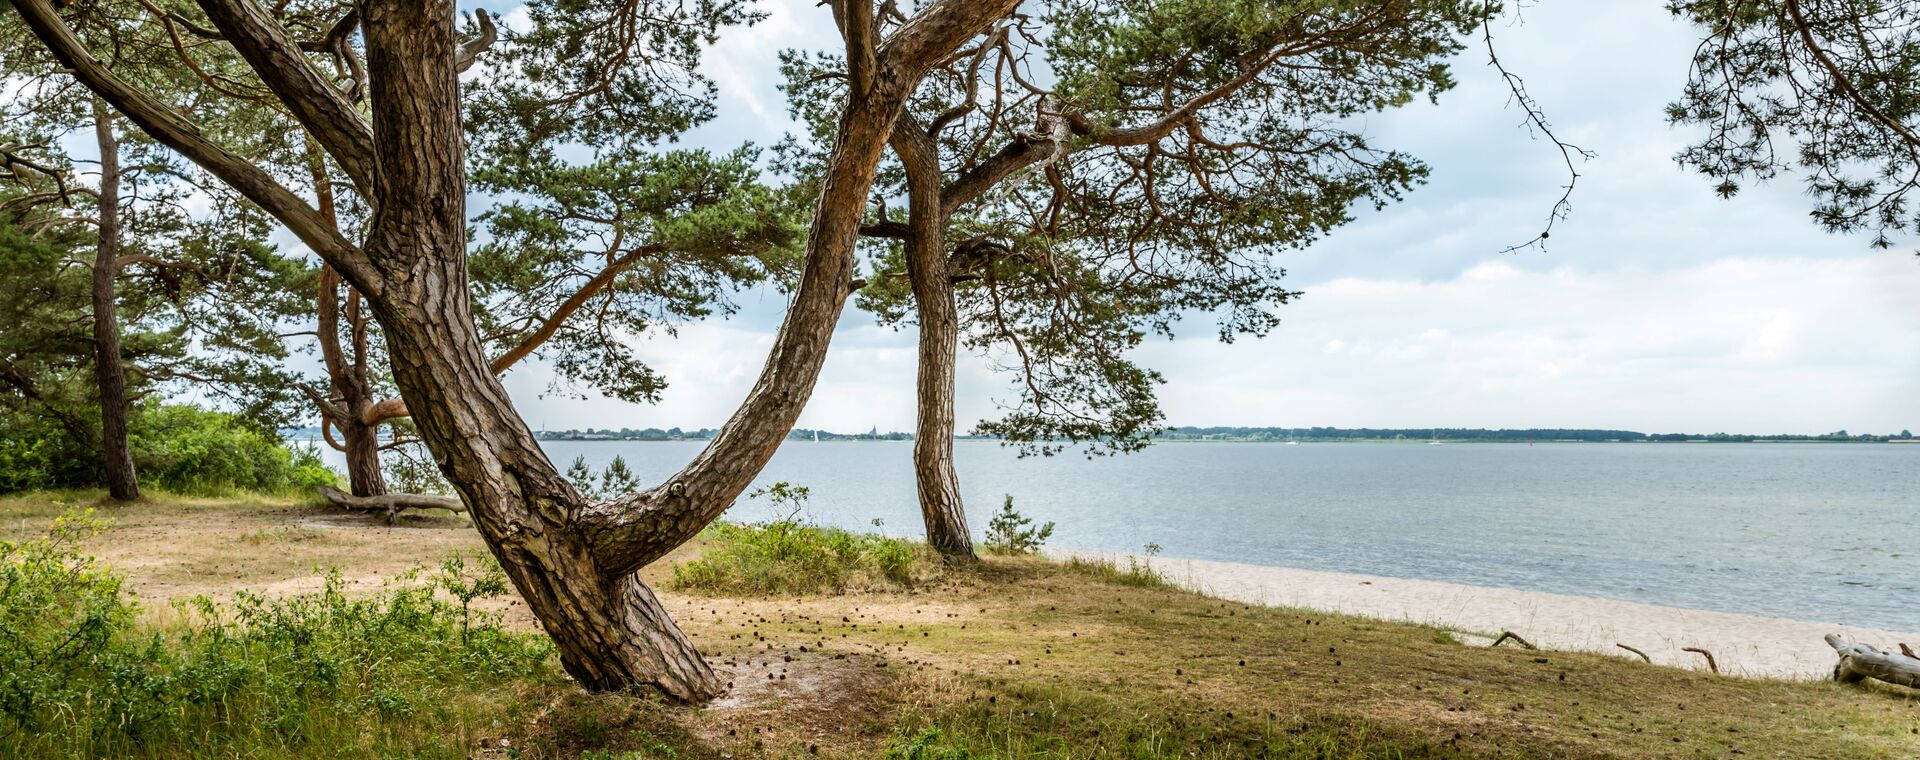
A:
(109, 369)
(350, 406)
(931, 277)
(575, 563)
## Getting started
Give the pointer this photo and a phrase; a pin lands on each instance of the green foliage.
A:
(599, 224)
(1190, 142)
(1821, 88)
(1010, 532)
(309, 674)
(788, 554)
(36, 453)
(615, 480)
(176, 447)
(186, 449)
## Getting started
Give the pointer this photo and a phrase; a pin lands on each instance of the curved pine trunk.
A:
(347, 380)
(576, 564)
(362, 453)
(932, 280)
(939, 484)
(110, 373)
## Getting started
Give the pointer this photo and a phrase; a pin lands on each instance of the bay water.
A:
(1822, 532)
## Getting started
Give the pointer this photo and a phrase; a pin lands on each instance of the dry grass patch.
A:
(1022, 657)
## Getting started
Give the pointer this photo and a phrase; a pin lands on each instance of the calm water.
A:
(1809, 531)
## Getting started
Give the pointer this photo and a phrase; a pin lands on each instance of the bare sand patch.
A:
(1745, 645)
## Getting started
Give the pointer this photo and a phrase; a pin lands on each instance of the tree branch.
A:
(313, 100)
(471, 49)
(172, 128)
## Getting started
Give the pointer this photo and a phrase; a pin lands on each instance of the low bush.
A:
(186, 449)
(1010, 532)
(39, 452)
(394, 673)
(176, 447)
(788, 554)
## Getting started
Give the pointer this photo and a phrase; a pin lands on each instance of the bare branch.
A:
(1537, 119)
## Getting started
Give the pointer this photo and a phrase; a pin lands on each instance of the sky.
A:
(1658, 306)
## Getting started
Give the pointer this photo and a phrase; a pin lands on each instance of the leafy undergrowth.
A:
(412, 669)
(1016, 657)
(790, 555)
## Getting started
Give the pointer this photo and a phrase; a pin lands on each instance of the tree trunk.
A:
(575, 564)
(363, 458)
(608, 627)
(350, 394)
(109, 371)
(928, 271)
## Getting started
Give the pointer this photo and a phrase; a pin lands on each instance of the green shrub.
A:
(176, 447)
(790, 555)
(614, 481)
(385, 674)
(36, 453)
(1010, 532)
(186, 449)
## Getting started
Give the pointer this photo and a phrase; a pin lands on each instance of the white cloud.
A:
(1658, 306)
(1739, 344)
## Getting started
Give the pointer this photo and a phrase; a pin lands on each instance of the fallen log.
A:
(1859, 661)
(392, 504)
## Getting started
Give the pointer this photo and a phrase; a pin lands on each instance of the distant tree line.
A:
(1493, 434)
(1260, 434)
(705, 434)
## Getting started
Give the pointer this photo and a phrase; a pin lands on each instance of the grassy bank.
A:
(1017, 657)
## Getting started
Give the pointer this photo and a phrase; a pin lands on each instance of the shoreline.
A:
(1742, 645)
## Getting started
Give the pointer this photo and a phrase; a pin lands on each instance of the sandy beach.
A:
(1742, 644)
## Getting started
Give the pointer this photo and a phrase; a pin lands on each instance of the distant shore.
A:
(1744, 645)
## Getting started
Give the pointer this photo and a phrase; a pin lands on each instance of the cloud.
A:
(1657, 307)
(1736, 344)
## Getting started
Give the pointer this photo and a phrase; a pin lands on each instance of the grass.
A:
(790, 557)
(1017, 657)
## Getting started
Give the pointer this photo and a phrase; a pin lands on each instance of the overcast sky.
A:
(1659, 307)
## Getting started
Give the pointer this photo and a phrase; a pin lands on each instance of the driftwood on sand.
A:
(1859, 661)
(392, 504)
(1711, 665)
